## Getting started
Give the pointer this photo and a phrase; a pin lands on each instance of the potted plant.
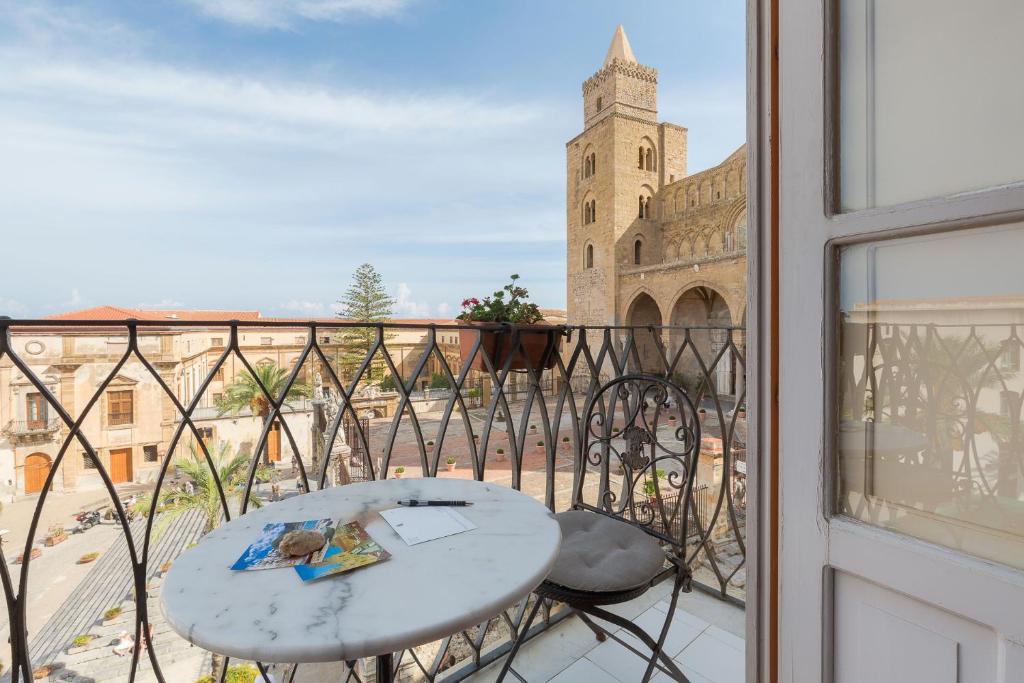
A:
(44, 671)
(399, 471)
(566, 443)
(702, 415)
(430, 446)
(36, 552)
(540, 446)
(741, 411)
(671, 418)
(533, 429)
(649, 485)
(501, 454)
(539, 341)
(87, 558)
(451, 463)
(112, 615)
(80, 643)
(55, 535)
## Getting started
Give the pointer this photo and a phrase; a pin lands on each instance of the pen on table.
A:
(447, 503)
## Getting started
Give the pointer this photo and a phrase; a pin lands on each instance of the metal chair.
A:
(624, 535)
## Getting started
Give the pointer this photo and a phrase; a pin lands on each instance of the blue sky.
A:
(251, 154)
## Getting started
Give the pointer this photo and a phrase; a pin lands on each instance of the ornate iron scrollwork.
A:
(636, 438)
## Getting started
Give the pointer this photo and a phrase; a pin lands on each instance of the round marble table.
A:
(423, 593)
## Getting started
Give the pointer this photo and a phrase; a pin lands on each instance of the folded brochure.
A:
(263, 554)
(350, 548)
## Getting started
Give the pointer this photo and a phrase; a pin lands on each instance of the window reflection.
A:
(930, 433)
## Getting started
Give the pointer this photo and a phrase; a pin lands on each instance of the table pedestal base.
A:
(385, 668)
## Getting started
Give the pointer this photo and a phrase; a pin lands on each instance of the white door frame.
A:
(813, 543)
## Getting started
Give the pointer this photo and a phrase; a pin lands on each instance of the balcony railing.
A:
(19, 428)
(513, 426)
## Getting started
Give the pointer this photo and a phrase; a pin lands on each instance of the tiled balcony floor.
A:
(706, 640)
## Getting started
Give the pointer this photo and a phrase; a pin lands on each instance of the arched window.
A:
(593, 163)
(640, 213)
(586, 167)
(589, 211)
(637, 252)
(727, 240)
(588, 256)
(650, 159)
(640, 158)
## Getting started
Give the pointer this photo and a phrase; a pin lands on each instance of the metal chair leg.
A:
(658, 651)
(599, 632)
(667, 665)
(519, 641)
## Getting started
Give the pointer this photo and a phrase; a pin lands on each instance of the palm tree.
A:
(245, 392)
(204, 496)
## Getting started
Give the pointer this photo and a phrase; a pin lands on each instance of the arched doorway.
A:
(644, 312)
(704, 311)
(37, 468)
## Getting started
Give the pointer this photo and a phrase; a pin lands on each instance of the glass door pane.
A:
(930, 434)
(931, 110)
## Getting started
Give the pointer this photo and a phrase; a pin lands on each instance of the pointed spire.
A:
(620, 48)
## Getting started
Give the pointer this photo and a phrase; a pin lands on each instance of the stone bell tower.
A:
(620, 160)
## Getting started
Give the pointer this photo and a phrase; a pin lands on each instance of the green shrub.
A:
(649, 485)
(565, 439)
(501, 451)
(388, 383)
(399, 470)
(438, 381)
(241, 673)
(112, 613)
(540, 444)
(82, 640)
(450, 460)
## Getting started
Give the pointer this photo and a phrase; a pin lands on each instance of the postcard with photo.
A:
(263, 553)
(350, 548)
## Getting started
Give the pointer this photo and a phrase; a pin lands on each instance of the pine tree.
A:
(365, 301)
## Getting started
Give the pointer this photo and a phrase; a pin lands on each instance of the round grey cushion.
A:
(604, 555)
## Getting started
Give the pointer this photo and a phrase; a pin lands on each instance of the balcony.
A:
(317, 427)
(30, 430)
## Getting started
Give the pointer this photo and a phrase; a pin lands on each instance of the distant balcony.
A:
(501, 414)
(31, 429)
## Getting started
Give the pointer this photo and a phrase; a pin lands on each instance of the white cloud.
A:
(238, 101)
(282, 13)
(310, 308)
(405, 307)
(12, 308)
(163, 304)
(444, 310)
(75, 299)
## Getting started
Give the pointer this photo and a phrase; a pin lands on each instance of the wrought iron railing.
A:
(31, 427)
(508, 415)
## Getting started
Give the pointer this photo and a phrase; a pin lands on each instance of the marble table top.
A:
(423, 593)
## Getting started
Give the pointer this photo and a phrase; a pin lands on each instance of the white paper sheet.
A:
(420, 524)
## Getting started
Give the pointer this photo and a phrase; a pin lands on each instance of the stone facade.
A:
(132, 436)
(647, 243)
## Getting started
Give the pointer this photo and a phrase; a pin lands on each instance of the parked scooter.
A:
(86, 520)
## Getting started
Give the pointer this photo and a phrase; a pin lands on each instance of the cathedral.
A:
(649, 244)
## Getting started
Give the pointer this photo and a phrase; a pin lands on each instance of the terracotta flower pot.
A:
(540, 342)
(451, 466)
